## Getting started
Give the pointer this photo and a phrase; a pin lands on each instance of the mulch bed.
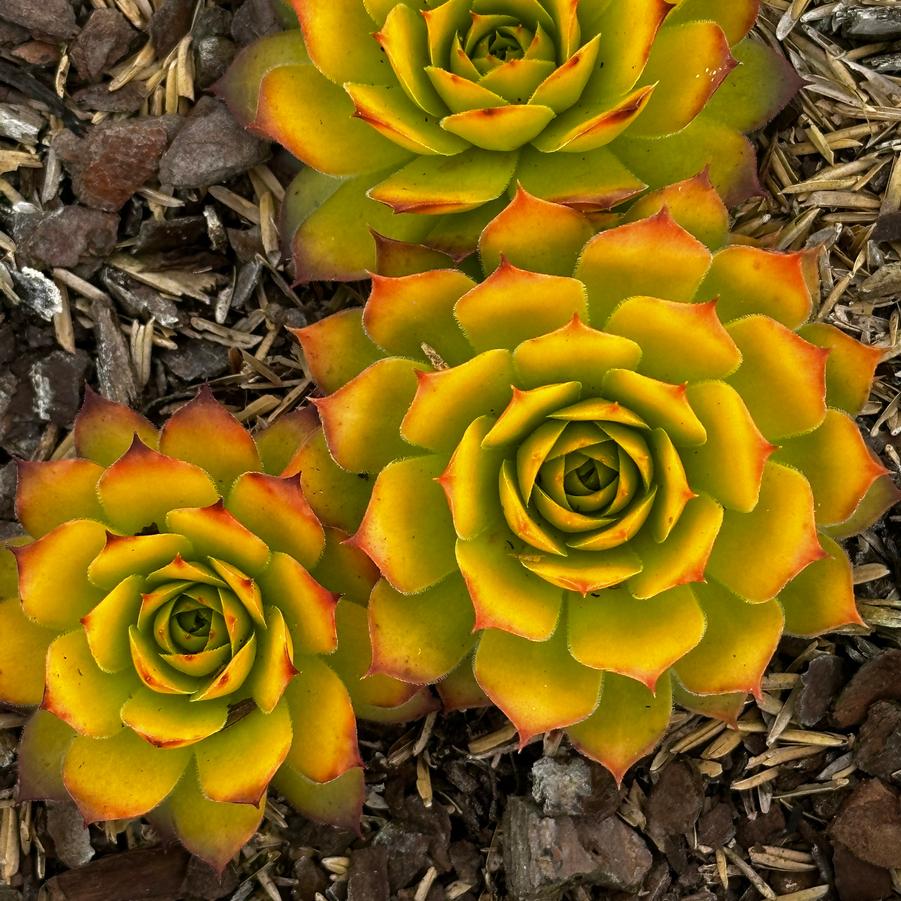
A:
(139, 252)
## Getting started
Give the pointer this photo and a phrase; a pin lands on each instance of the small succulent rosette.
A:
(163, 615)
(418, 117)
(600, 489)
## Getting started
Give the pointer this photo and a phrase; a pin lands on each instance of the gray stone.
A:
(561, 786)
(115, 372)
(870, 23)
(71, 839)
(56, 381)
(65, 237)
(53, 18)
(211, 147)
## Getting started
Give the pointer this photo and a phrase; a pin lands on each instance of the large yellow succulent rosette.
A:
(612, 471)
(418, 117)
(162, 612)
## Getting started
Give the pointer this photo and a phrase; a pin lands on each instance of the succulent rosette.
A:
(416, 118)
(596, 489)
(162, 613)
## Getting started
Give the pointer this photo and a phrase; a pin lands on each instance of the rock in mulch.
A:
(104, 40)
(125, 100)
(56, 380)
(573, 786)
(115, 371)
(820, 683)
(65, 237)
(196, 361)
(367, 878)
(212, 57)
(878, 749)
(869, 23)
(114, 160)
(50, 18)
(675, 802)
(869, 824)
(71, 838)
(211, 147)
(170, 23)
(255, 19)
(857, 880)
(545, 855)
(877, 679)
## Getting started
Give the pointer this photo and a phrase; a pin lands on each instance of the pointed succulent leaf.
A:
(213, 831)
(628, 723)
(761, 85)
(737, 645)
(453, 184)
(236, 764)
(167, 721)
(45, 741)
(413, 553)
(338, 803)
(404, 314)
(105, 430)
(204, 433)
(331, 370)
(693, 204)
(53, 578)
(342, 144)
(705, 143)
(611, 631)
(774, 355)
(708, 352)
(534, 234)
(654, 257)
(275, 510)
(279, 442)
(850, 366)
(821, 598)
(838, 464)
(746, 280)
(142, 486)
(49, 494)
(781, 529)
(420, 638)
(120, 777)
(510, 306)
(684, 83)
(338, 497)
(320, 705)
(358, 441)
(22, 654)
(535, 683)
(317, 207)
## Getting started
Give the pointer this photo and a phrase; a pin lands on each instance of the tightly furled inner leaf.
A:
(419, 117)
